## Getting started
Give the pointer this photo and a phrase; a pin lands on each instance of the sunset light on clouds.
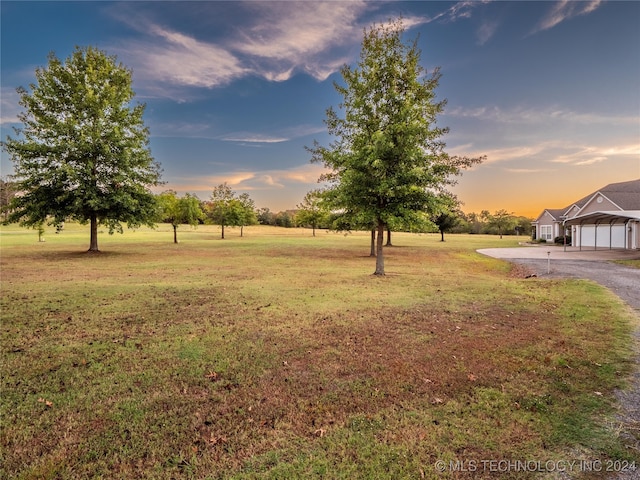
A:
(548, 91)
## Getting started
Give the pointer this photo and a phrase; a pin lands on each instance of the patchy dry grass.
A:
(629, 263)
(278, 355)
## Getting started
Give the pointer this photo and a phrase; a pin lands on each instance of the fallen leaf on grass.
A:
(472, 377)
(215, 440)
(213, 376)
(46, 402)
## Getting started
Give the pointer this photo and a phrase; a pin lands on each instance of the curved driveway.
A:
(558, 262)
(553, 261)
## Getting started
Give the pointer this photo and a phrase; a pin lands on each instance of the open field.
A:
(278, 355)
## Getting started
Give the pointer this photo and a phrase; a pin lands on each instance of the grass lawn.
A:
(629, 263)
(278, 355)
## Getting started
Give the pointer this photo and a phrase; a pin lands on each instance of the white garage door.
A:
(606, 236)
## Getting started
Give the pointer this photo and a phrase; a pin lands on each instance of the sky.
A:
(234, 91)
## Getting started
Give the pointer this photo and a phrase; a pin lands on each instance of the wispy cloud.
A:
(527, 170)
(206, 131)
(253, 138)
(173, 57)
(503, 154)
(565, 10)
(298, 35)
(549, 152)
(276, 40)
(284, 135)
(9, 107)
(486, 31)
(251, 180)
(590, 155)
(539, 114)
(459, 10)
(464, 11)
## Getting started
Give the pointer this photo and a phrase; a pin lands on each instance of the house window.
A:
(546, 232)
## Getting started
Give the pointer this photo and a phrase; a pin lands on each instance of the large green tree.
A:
(82, 153)
(387, 159)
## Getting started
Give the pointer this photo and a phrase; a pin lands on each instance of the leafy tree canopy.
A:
(312, 211)
(500, 220)
(387, 159)
(82, 153)
(228, 209)
(179, 210)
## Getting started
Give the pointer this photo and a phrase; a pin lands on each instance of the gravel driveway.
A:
(555, 262)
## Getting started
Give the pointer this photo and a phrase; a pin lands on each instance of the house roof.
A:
(625, 195)
(556, 213)
(608, 217)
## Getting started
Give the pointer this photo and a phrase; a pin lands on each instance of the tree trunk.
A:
(373, 243)
(313, 229)
(222, 225)
(241, 230)
(442, 235)
(175, 234)
(388, 238)
(93, 244)
(379, 246)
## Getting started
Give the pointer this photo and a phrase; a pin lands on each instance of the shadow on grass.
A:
(61, 255)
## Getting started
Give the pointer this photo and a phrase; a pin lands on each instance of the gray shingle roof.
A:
(556, 213)
(626, 195)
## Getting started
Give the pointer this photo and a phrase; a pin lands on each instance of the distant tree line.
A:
(498, 223)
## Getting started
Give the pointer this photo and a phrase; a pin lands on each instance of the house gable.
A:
(613, 197)
(548, 217)
(626, 195)
(599, 202)
(572, 211)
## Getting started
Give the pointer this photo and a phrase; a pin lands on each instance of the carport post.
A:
(626, 235)
(580, 236)
(611, 233)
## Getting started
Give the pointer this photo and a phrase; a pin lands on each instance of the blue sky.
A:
(549, 91)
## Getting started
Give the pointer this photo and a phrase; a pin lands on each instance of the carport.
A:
(611, 229)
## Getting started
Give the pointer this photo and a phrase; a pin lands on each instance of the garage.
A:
(611, 229)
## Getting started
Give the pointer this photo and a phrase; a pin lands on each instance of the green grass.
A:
(629, 263)
(279, 355)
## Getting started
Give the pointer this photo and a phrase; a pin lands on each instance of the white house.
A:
(606, 218)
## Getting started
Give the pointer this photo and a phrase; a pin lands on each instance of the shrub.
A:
(560, 240)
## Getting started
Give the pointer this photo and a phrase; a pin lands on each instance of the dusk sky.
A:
(548, 91)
